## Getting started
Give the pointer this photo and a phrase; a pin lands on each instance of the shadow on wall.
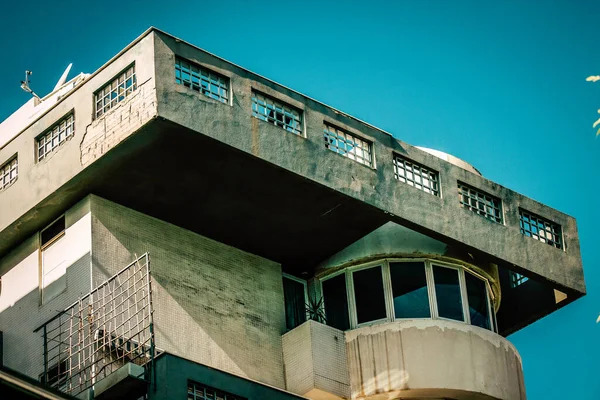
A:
(213, 304)
(24, 349)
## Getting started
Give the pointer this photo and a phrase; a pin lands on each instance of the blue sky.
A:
(499, 84)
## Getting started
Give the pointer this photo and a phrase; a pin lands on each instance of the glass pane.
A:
(478, 301)
(336, 302)
(447, 291)
(409, 288)
(293, 293)
(368, 292)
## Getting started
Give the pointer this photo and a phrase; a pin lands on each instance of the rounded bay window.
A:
(393, 289)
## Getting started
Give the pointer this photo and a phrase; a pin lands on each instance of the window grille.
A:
(9, 172)
(202, 80)
(115, 91)
(540, 228)
(197, 391)
(55, 136)
(348, 145)
(517, 279)
(277, 113)
(480, 202)
(416, 175)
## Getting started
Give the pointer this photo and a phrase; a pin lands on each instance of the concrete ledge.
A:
(416, 358)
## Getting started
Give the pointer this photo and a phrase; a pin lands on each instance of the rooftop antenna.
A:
(25, 85)
(63, 78)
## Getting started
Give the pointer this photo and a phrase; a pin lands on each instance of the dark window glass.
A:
(478, 301)
(336, 302)
(368, 292)
(447, 291)
(53, 230)
(293, 293)
(409, 288)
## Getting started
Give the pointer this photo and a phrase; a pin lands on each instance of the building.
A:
(174, 225)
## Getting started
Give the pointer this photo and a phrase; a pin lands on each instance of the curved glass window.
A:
(447, 293)
(396, 289)
(409, 290)
(368, 294)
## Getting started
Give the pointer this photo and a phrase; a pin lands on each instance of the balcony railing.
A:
(104, 330)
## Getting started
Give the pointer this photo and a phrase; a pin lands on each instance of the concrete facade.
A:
(225, 204)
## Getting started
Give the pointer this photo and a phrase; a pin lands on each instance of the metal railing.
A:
(101, 332)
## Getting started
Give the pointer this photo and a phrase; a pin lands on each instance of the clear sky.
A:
(499, 84)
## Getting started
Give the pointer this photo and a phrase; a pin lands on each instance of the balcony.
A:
(408, 359)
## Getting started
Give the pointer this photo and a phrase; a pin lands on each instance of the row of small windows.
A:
(198, 391)
(360, 150)
(289, 118)
(392, 290)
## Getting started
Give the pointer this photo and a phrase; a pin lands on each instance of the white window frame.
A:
(44, 247)
(432, 297)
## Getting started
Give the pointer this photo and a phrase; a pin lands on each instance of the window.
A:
(447, 293)
(348, 145)
(55, 136)
(540, 228)
(295, 297)
(517, 279)
(335, 298)
(9, 172)
(409, 290)
(202, 80)
(197, 391)
(368, 295)
(479, 306)
(394, 289)
(480, 203)
(416, 175)
(277, 113)
(54, 250)
(115, 91)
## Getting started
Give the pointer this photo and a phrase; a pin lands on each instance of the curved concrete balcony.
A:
(432, 358)
(427, 358)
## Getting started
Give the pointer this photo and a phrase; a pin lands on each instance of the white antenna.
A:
(63, 78)
(25, 85)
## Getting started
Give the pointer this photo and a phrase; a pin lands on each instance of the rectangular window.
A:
(294, 294)
(517, 279)
(348, 145)
(540, 228)
(416, 175)
(447, 292)
(54, 250)
(55, 136)
(202, 80)
(276, 113)
(335, 298)
(480, 202)
(197, 391)
(409, 290)
(115, 91)
(368, 295)
(9, 172)
(479, 310)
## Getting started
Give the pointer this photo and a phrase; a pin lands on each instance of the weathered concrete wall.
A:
(21, 310)
(214, 304)
(443, 218)
(92, 138)
(432, 358)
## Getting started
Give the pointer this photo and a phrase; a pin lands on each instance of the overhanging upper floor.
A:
(209, 146)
